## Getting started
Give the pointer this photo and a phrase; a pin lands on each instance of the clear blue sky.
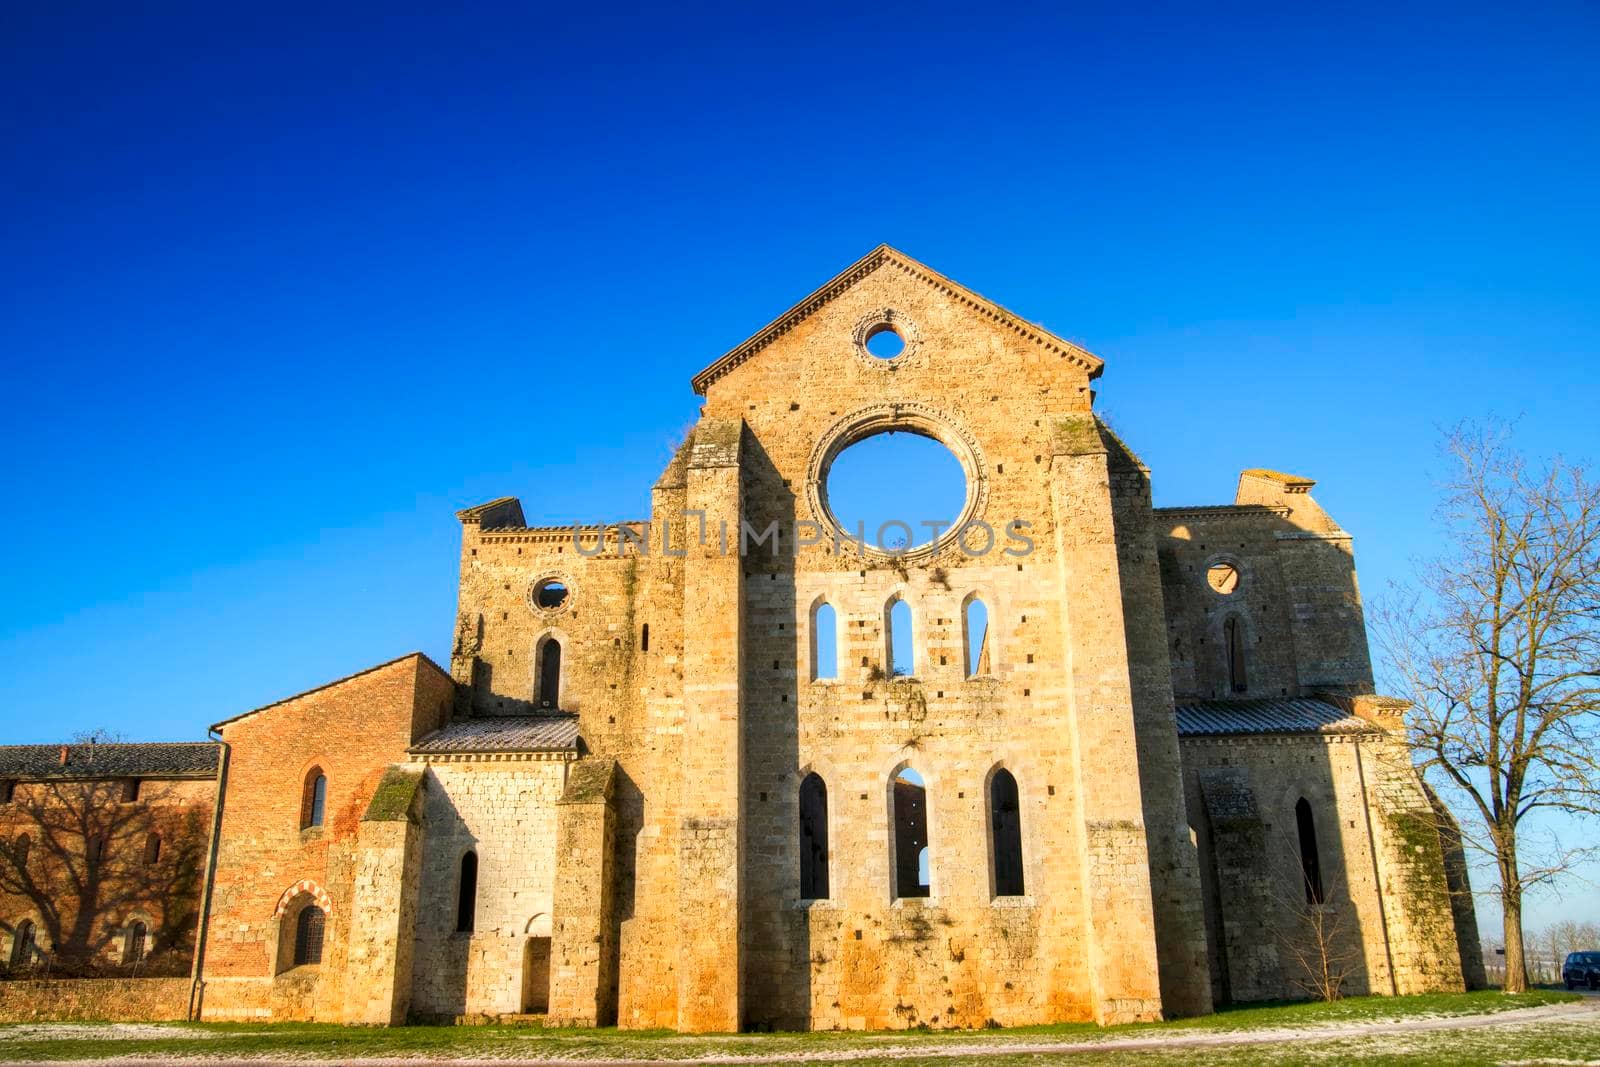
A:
(283, 291)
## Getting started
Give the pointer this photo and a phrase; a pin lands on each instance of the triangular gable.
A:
(858, 270)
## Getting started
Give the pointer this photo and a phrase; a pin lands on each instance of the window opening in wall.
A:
(130, 790)
(912, 863)
(976, 619)
(813, 838)
(888, 487)
(902, 662)
(152, 848)
(1005, 815)
(467, 898)
(644, 638)
(536, 976)
(550, 593)
(22, 948)
(1223, 578)
(550, 674)
(314, 804)
(824, 642)
(1310, 862)
(308, 931)
(95, 848)
(1233, 641)
(20, 849)
(8, 791)
(134, 950)
(885, 342)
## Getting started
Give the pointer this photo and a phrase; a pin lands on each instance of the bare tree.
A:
(1500, 651)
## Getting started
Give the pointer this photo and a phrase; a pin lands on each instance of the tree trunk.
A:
(1516, 960)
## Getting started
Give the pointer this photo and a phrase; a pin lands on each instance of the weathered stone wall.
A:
(92, 902)
(1391, 921)
(505, 812)
(353, 730)
(151, 1000)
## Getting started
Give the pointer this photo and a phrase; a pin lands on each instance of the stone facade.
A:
(595, 814)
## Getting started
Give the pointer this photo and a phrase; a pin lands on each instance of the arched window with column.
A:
(913, 862)
(1005, 833)
(813, 838)
(1310, 861)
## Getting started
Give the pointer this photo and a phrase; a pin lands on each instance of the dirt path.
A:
(1585, 1012)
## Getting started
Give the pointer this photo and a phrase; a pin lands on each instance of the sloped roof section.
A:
(182, 759)
(1220, 718)
(511, 733)
(845, 279)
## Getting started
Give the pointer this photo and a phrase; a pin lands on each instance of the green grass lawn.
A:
(324, 1041)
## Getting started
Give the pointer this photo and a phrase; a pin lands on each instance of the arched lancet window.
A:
(1310, 863)
(308, 931)
(824, 641)
(133, 951)
(20, 849)
(467, 895)
(152, 848)
(975, 630)
(899, 646)
(912, 862)
(1233, 642)
(1005, 827)
(813, 838)
(314, 799)
(549, 695)
(22, 949)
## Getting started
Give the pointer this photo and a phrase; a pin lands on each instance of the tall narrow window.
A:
(8, 791)
(644, 638)
(1005, 826)
(308, 931)
(900, 647)
(912, 876)
(95, 848)
(1233, 639)
(22, 944)
(130, 790)
(467, 895)
(138, 938)
(975, 625)
(1310, 863)
(20, 849)
(550, 674)
(813, 838)
(313, 799)
(152, 849)
(824, 642)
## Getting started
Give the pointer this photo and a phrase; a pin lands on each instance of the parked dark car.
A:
(1581, 968)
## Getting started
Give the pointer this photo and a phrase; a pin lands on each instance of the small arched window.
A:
(20, 849)
(314, 802)
(813, 838)
(1005, 828)
(152, 849)
(1233, 641)
(549, 695)
(133, 950)
(912, 863)
(1310, 862)
(308, 931)
(900, 647)
(824, 642)
(467, 895)
(975, 631)
(22, 949)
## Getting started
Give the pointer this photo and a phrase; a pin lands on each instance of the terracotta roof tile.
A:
(1211, 718)
(520, 733)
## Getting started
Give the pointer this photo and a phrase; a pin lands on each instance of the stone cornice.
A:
(878, 257)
